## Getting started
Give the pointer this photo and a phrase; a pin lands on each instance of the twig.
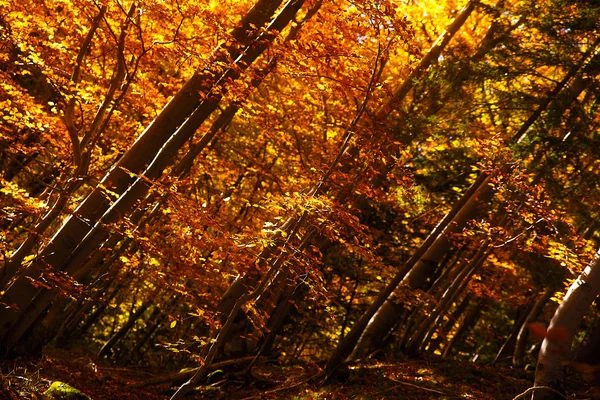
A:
(416, 386)
(303, 381)
(182, 376)
(534, 388)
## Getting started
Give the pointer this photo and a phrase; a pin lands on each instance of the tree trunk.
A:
(439, 286)
(122, 331)
(534, 314)
(385, 316)
(468, 322)
(96, 314)
(458, 312)
(172, 128)
(136, 351)
(419, 338)
(509, 344)
(554, 354)
(431, 57)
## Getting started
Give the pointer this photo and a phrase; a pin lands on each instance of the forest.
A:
(303, 199)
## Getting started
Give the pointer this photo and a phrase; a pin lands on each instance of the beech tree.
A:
(203, 184)
(148, 149)
(554, 354)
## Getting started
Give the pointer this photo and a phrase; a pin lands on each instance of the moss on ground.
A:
(62, 391)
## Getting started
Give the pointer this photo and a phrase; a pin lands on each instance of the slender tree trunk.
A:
(274, 325)
(96, 314)
(519, 354)
(385, 316)
(420, 337)
(135, 353)
(431, 57)
(468, 322)
(122, 331)
(458, 312)
(509, 344)
(440, 285)
(92, 297)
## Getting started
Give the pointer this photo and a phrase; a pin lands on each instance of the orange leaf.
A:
(557, 334)
(537, 330)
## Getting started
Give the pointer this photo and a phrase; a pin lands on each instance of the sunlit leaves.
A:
(272, 163)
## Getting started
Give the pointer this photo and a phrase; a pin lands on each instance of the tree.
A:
(180, 110)
(185, 183)
(554, 354)
(381, 314)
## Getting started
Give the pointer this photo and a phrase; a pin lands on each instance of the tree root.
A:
(179, 377)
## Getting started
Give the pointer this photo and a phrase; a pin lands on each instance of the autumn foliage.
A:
(184, 183)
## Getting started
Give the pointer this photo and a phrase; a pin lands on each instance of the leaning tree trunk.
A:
(469, 322)
(425, 330)
(123, 330)
(554, 354)
(384, 303)
(461, 308)
(385, 316)
(172, 128)
(519, 353)
(521, 315)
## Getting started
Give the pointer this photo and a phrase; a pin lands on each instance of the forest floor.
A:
(432, 378)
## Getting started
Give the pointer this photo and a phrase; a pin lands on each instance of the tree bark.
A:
(469, 321)
(384, 318)
(519, 353)
(554, 354)
(157, 145)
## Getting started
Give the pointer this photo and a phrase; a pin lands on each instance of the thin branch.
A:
(512, 239)
(75, 77)
(534, 388)
(416, 386)
(115, 84)
(350, 131)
